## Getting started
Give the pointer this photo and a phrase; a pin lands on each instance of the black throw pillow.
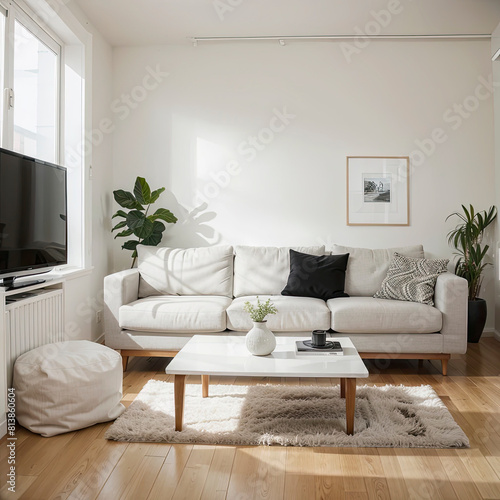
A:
(322, 277)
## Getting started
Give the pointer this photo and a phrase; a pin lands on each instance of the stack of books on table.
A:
(304, 347)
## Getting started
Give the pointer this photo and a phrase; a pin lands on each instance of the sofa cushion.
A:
(264, 270)
(412, 279)
(188, 314)
(191, 271)
(367, 268)
(318, 276)
(295, 314)
(370, 315)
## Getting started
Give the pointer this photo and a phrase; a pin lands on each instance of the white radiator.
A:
(32, 322)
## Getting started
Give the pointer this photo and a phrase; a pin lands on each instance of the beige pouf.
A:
(67, 386)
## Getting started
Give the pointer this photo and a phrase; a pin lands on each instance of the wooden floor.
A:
(83, 465)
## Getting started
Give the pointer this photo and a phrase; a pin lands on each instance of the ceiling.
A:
(128, 22)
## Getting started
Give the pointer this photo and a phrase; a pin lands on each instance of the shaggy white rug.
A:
(386, 416)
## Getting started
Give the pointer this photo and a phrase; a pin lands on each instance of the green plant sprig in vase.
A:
(260, 341)
(259, 312)
(147, 228)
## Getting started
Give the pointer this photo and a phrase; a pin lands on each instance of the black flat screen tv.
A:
(33, 217)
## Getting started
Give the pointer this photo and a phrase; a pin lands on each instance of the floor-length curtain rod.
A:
(282, 39)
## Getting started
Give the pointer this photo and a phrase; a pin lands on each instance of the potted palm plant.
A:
(467, 239)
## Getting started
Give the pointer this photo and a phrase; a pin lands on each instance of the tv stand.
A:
(9, 283)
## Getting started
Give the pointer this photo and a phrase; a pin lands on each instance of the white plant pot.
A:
(260, 341)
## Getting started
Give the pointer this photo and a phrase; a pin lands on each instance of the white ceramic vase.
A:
(260, 341)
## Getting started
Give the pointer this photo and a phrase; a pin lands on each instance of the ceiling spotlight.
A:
(282, 43)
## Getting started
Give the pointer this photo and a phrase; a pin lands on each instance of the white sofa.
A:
(174, 293)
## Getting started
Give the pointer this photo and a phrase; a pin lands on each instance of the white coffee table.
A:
(207, 355)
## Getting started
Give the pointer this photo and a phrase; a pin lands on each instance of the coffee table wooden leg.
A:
(205, 380)
(179, 386)
(342, 388)
(350, 404)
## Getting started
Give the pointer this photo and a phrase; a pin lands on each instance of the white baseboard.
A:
(491, 332)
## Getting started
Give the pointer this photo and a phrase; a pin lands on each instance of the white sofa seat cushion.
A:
(295, 314)
(189, 271)
(166, 313)
(370, 315)
(367, 268)
(264, 270)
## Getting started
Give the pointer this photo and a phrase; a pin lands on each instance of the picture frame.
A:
(378, 191)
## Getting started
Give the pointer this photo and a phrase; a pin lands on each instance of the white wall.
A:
(84, 294)
(184, 133)
(495, 45)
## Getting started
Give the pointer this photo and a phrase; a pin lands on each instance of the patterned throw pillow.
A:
(411, 279)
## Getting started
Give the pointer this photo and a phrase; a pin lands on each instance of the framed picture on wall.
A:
(378, 190)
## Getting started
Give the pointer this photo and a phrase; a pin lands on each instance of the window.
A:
(35, 96)
(31, 84)
(45, 101)
(3, 17)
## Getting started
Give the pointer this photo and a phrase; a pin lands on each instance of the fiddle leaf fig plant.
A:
(467, 239)
(147, 228)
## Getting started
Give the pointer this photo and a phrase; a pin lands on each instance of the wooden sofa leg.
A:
(127, 353)
(444, 366)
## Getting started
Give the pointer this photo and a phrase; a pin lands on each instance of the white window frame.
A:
(56, 21)
(16, 12)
